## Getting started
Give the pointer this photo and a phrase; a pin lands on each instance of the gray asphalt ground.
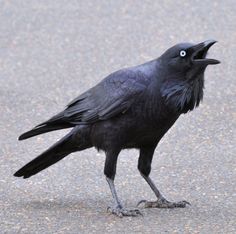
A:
(51, 51)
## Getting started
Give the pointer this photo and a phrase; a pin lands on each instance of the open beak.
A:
(199, 53)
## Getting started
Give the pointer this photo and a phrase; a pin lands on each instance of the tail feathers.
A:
(55, 153)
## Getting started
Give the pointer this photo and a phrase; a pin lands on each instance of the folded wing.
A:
(114, 95)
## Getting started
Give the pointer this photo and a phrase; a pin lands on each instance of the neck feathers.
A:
(183, 96)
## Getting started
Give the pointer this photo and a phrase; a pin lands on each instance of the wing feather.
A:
(114, 95)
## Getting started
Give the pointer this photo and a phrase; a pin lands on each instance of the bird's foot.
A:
(120, 211)
(163, 203)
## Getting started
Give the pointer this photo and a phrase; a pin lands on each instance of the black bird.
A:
(131, 108)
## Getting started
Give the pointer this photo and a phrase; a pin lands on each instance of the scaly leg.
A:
(144, 166)
(110, 171)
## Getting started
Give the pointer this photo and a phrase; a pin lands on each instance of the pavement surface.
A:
(51, 51)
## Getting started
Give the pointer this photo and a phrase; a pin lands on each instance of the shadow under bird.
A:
(131, 108)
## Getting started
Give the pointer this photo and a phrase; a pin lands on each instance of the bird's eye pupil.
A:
(182, 53)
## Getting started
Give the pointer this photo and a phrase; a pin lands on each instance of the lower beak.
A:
(199, 52)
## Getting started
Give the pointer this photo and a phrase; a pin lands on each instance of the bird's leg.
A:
(118, 209)
(109, 171)
(113, 192)
(161, 202)
(144, 166)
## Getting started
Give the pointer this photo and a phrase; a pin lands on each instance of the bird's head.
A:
(184, 57)
(183, 78)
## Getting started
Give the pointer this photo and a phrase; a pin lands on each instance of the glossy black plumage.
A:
(131, 108)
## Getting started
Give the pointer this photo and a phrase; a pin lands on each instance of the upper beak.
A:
(199, 52)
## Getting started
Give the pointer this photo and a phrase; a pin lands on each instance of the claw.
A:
(182, 204)
(140, 202)
(186, 202)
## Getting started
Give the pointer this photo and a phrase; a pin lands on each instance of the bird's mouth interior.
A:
(200, 52)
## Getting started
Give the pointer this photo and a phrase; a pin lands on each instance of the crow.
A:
(130, 108)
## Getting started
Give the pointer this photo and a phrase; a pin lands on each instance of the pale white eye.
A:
(182, 53)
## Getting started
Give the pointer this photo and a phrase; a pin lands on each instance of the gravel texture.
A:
(51, 51)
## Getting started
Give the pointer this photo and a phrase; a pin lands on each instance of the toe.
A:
(182, 204)
(116, 211)
(120, 212)
(141, 202)
(138, 212)
(187, 203)
(133, 213)
(163, 203)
